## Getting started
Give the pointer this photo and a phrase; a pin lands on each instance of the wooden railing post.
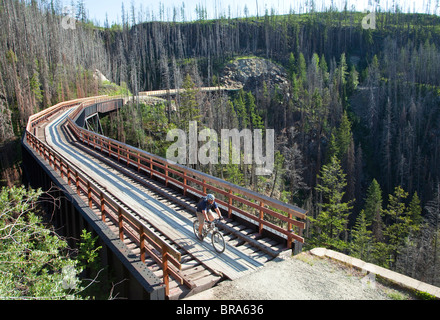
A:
(289, 225)
(142, 242)
(51, 163)
(261, 218)
(127, 157)
(289, 241)
(61, 169)
(290, 230)
(166, 279)
(89, 194)
(68, 174)
(184, 183)
(101, 196)
(77, 183)
(230, 204)
(120, 226)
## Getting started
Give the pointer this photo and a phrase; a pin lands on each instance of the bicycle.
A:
(218, 242)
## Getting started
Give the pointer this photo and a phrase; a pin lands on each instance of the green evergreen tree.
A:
(340, 139)
(279, 170)
(361, 244)
(36, 85)
(344, 135)
(232, 171)
(353, 80)
(399, 225)
(324, 70)
(374, 220)
(415, 212)
(255, 118)
(232, 115)
(333, 148)
(331, 223)
(292, 67)
(373, 210)
(189, 108)
(295, 89)
(342, 75)
(234, 174)
(240, 108)
(301, 68)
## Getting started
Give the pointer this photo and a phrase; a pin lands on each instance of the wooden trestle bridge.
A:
(148, 203)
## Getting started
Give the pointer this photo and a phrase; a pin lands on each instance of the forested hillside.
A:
(40, 64)
(357, 117)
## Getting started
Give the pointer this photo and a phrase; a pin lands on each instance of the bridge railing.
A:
(159, 250)
(268, 213)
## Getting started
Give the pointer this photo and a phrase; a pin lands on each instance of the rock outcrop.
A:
(250, 73)
(99, 76)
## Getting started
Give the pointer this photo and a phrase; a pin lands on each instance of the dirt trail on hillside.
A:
(303, 277)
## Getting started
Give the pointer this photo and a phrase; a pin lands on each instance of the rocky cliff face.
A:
(250, 73)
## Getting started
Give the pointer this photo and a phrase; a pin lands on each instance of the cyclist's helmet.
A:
(210, 197)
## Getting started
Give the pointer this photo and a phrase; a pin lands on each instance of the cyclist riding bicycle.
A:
(204, 211)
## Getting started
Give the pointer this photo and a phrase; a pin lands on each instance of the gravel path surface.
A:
(303, 277)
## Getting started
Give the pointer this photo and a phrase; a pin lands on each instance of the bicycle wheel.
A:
(218, 242)
(196, 229)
